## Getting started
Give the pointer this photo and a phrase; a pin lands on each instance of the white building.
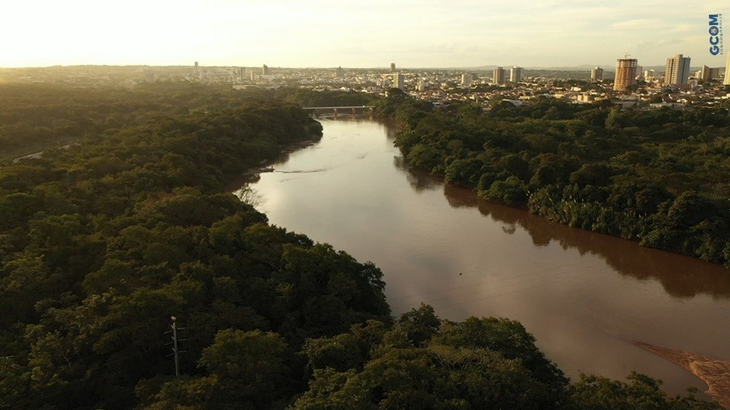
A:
(466, 80)
(398, 81)
(498, 76)
(677, 70)
(515, 74)
(597, 74)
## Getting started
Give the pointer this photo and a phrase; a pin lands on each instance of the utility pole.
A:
(174, 348)
(175, 351)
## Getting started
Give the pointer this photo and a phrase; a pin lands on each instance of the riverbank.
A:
(266, 165)
(569, 287)
(714, 372)
(643, 180)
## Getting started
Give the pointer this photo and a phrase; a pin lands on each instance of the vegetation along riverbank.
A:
(103, 242)
(659, 177)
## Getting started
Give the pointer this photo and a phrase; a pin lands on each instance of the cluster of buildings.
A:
(628, 75)
(499, 75)
(677, 86)
(628, 85)
(677, 73)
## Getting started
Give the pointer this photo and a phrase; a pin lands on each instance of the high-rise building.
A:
(597, 74)
(392, 67)
(677, 70)
(466, 80)
(625, 73)
(498, 76)
(707, 73)
(515, 74)
(265, 70)
(726, 81)
(398, 81)
(340, 72)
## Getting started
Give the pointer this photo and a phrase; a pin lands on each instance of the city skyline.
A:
(327, 33)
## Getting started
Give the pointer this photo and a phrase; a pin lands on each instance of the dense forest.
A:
(103, 241)
(34, 117)
(660, 177)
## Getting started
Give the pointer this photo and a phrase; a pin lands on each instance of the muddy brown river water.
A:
(584, 296)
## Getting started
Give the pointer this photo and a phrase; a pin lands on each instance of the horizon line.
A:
(456, 68)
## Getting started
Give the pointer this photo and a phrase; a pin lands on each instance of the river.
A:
(583, 295)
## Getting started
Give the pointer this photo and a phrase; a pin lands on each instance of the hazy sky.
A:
(355, 33)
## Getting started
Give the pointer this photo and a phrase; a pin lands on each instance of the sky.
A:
(356, 33)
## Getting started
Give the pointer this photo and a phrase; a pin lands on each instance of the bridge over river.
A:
(349, 109)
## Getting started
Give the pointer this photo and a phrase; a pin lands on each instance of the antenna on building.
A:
(626, 55)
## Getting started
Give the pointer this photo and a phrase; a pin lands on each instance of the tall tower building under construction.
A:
(625, 73)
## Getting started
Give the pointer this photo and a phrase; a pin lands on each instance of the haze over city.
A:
(328, 33)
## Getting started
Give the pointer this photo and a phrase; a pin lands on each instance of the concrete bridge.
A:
(349, 109)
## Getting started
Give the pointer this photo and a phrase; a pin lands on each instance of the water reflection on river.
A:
(581, 294)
